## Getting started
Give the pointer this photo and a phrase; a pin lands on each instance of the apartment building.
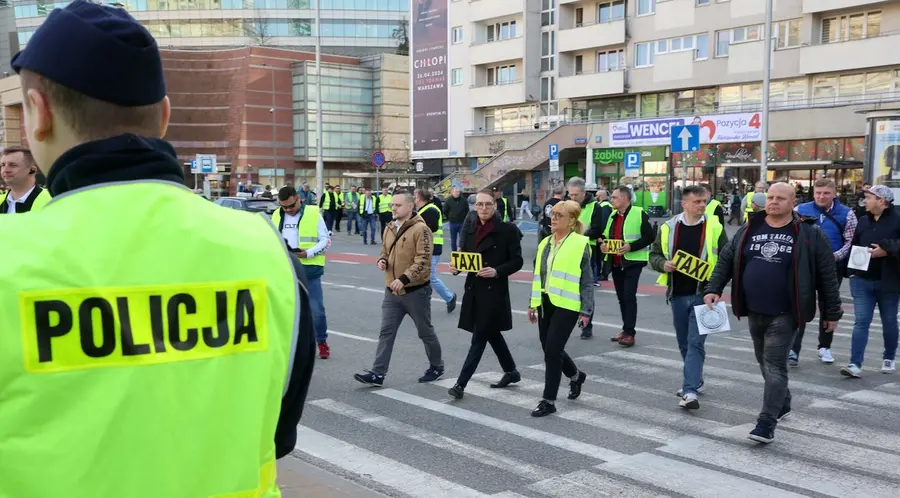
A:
(598, 78)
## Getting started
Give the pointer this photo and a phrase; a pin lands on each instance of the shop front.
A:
(650, 184)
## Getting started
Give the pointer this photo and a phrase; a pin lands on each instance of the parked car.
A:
(267, 206)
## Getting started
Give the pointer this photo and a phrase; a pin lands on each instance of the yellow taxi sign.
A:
(692, 266)
(466, 261)
(613, 245)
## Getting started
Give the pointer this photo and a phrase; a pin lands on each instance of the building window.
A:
(510, 119)
(548, 12)
(737, 35)
(645, 53)
(501, 75)
(851, 27)
(579, 64)
(579, 17)
(686, 102)
(611, 11)
(548, 50)
(787, 33)
(701, 53)
(456, 77)
(610, 60)
(701, 3)
(501, 31)
(457, 34)
(646, 7)
(548, 90)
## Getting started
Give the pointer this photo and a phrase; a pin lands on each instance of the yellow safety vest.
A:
(564, 278)
(308, 233)
(376, 204)
(709, 252)
(326, 201)
(439, 234)
(710, 210)
(748, 204)
(384, 205)
(631, 232)
(40, 201)
(135, 371)
(587, 213)
(505, 209)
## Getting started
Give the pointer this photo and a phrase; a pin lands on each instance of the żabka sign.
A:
(720, 128)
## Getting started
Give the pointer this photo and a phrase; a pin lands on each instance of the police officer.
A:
(17, 169)
(747, 203)
(161, 371)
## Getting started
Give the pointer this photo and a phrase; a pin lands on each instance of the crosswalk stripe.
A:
(677, 476)
(571, 412)
(383, 470)
(841, 455)
(351, 336)
(751, 363)
(892, 387)
(880, 399)
(724, 372)
(522, 431)
(773, 466)
(587, 484)
(482, 456)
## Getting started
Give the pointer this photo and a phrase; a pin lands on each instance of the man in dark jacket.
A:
(455, 210)
(777, 264)
(592, 218)
(486, 309)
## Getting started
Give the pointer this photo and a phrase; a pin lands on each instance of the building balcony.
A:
(497, 95)
(482, 10)
(591, 84)
(590, 36)
(850, 55)
(815, 6)
(496, 51)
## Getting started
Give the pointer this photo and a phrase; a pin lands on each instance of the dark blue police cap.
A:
(99, 51)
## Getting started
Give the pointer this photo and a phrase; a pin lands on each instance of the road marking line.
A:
(774, 466)
(344, 262)
(830, 373)
(482, 456)
(586, 484)
(358, 254)
(875, 398)
(522, 431)
(351, 336)
(367, 289)
(604, 421)
(362, 462)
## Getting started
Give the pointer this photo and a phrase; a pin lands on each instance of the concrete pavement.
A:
(625, 436)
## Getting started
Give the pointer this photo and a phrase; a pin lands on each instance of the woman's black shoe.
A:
(575, 386)
(456, 391)
(507, 379)
(543, 409)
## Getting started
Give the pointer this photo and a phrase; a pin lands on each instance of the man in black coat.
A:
(455, 211)
(486, 309)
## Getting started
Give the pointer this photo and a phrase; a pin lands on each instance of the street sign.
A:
(685, 138)
(378, 160)
(206, 163)
(632, 163)
(194, 169)
(554, 157)
(420, 166)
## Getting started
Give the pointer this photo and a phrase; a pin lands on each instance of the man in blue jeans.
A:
(699, 236)
(879, 283)
(434, 219)
(456, 208)
(368, 214)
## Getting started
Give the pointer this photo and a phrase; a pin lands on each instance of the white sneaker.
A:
(689, 401)
(825, 354)
(887, 367)
(851, 370)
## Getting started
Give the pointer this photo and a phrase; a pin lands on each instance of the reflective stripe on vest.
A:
(709, 252)
(631, 232)
(587, 213)
(104, 358)
(439, 234)
(564, 279)
(307, 233)
(505, 209)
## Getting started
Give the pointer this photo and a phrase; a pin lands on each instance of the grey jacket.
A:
(586, 285)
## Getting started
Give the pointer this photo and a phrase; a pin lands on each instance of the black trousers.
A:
(626, 281)
(480, 340)
(555, 325)
(603, 268)
(338, 215)
(825, 338)
(385, 219)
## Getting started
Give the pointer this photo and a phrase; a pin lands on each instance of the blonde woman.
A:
(562, 295)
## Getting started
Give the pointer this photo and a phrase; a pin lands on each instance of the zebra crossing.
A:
(625, 435)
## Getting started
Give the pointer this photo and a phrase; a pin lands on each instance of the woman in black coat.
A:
(486, 309)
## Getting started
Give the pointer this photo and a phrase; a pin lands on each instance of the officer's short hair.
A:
(26, 154)
(407, 196)
(558, 190)
(93, 119)
(698, 190)
(576, 182)
(285, 193)
(424, 195)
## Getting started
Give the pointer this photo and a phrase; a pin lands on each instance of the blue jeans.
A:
(690, 342)
(442, 290)
(352, 216)
(866, 294)
(317, 307)
(368, 221)
(455, 229)
(329, 219)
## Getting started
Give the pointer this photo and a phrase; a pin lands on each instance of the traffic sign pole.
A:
(767, 76)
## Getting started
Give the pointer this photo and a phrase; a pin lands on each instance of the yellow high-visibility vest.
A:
(308, 233)
(564, 278)
(439, 234)
(631, 232)
(709, 252)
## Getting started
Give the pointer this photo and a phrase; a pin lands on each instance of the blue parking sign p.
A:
(632, 160)
(554, 151)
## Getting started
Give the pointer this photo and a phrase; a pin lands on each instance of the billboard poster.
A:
(429, 76)
(886, 154)
(719, 128)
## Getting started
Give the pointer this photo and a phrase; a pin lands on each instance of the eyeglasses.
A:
(290, 206)
(557, 216)
(483, 205)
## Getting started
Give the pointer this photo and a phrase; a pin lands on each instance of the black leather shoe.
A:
(456, 391)
(543, 409)
(507, 379)
(575, 386)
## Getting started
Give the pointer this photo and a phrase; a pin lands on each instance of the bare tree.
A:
(401, 34)
(392, 157)
(258, 29)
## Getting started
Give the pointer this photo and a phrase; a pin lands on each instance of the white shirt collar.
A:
(11, 203)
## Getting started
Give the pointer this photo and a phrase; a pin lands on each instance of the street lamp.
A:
(767, 76)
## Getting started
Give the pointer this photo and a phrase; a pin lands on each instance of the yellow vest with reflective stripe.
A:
(587, 213)
(439, 234)
(132, 370)
(384, 203)
(631, 232)
(505, 209)
(308, 233)
(710, 210)
(709, 252)
(40, 201)
(748, 204)
(326, 202)
(376, 204)
(564, 278)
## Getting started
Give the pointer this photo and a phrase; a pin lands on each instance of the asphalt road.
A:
(625, 436)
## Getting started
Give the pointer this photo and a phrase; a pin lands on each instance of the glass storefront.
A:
(650, 186)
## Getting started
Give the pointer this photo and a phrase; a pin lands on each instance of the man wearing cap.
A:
(879, 283)
(757, 204)
(776, 264)
(162, 371)
(746, 204)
